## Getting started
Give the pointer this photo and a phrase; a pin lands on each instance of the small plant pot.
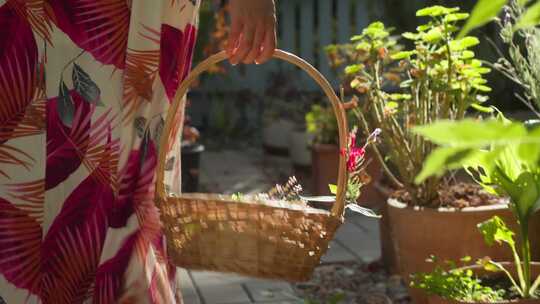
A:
(276, 136)
(299, 151)
(478, 270)
(448, 234)
(325, 162)
(191, 159)
(324, 167)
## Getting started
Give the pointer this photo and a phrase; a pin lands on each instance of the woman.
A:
(84, 86)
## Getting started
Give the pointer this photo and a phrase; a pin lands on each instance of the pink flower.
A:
(355, 156)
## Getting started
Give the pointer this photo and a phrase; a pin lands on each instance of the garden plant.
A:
(439, 78)
(504, 157)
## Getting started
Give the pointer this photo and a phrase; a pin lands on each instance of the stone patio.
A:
(250, 170)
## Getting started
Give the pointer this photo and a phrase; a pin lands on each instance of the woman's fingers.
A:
(256, 45)
(234, 36)
(268, 46)
(253, 25)
(244, 47)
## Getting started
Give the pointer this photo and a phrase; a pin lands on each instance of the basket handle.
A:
(337, 209)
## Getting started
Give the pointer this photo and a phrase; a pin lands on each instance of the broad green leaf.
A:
(530, 18)
(482, 13)
(495, 230)
(391, 105)
(524, 193)
(443, 159)
(471, 133)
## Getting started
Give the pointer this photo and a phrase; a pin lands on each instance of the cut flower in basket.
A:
(357, 174)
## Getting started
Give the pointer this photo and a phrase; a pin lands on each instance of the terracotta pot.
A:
(418, 233)
(480, 271)
(324, 162)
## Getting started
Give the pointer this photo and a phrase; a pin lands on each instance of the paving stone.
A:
(267, 290)
(189, 293)
(217, 288)
(362, 237)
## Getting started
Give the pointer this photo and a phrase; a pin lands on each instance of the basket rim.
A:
(224, 198)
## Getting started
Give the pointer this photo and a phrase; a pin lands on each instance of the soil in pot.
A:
(450, 232)
(496, 281)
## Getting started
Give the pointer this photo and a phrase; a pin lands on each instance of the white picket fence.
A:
(305, 27)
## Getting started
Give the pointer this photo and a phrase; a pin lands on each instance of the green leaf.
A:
(482, 108)
(530, 18)
(443, 159)
(411, 36)
(482, 13)
(436, 10)
(391, 105)
(464, 43)
(353, 69)
(472, 133)
(524, 193)
(85, 86)
(481, 88)
(433, 35)
(403, 55)
(495, 230)
(333, 189)
(456, 17)
(467, 54)
(64, 105)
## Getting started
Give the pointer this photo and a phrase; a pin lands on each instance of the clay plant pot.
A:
(535, 271)
(324, 164)
(448, 234)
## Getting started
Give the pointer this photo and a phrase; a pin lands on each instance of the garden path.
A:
(250, 170)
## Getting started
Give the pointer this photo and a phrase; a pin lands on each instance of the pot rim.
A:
(392, 202)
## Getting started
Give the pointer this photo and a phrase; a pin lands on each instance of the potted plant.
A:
(439, 78)
(504, 158)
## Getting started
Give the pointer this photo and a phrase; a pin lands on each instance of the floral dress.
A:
(84, 86)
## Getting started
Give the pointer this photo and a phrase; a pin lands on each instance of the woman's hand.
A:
(253, 31)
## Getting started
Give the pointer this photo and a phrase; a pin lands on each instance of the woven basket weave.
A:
(253, 238)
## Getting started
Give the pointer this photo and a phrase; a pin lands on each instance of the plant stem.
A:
(526, 253)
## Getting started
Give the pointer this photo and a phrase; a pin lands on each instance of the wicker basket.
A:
(213, 232)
